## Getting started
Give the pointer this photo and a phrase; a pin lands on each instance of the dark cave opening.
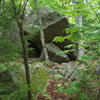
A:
(34, 51)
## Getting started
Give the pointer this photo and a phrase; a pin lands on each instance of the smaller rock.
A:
(54, 55)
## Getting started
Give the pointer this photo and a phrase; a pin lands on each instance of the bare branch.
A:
(70, 74)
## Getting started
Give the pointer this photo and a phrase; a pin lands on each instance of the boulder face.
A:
(7, 84)
(54, 51)
(53, 25)
(48, 18)
(13, 82)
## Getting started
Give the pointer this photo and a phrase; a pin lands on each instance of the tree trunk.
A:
(45, 52)
(78, 19)
(25, 58)
(43, 45)
(80, 49)
(24, 47)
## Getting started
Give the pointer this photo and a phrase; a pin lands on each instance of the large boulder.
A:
(53, 25)
(6, 83)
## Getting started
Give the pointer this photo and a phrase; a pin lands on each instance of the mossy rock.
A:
(14, 82)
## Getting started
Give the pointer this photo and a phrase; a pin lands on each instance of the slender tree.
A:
(78, 19)
(45, 52)
(20, 20)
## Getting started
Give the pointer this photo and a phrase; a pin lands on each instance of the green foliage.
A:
(80, 88)
(58, 76)
(43, 91)
(71, 90)
(8, 87)
(7, 65)
(60, 89)
(83, 96)
(19, 94)
(74, 37)
(66, 51)
(18, 90)
(3, 67)
(40, 78)
(9, 50)
(92, 45)
(48, 63)
(72, 29)
(59, 39)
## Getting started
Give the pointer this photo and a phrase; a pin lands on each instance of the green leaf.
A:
(67, 30)
(72, 90)
(76, 89)
(72, 29)
(83, 96)
(69, 46)
(68, 90)
(81, 70)
(59, 39)
(66, 51)
(3, 67)
(74, 37)
(58, 76)
(60, 89)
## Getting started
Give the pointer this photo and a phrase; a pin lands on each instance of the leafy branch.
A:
(93, 10)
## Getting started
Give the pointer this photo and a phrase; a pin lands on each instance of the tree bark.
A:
(80, 49)
(45, 52)
(43, 45)
(24, 47)
(25, 58)
(78, 19)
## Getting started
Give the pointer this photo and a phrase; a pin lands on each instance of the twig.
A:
(70, 74)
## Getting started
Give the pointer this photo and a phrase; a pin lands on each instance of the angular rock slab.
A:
(53, 51)
(52, 24)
